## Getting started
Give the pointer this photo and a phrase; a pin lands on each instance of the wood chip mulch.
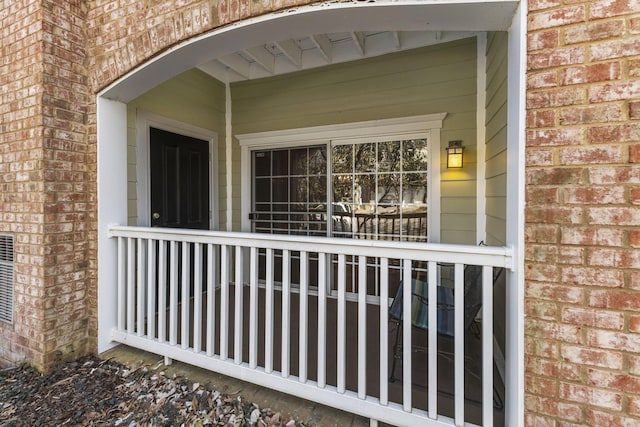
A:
(95, 392)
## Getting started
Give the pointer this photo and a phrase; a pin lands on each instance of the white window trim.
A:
(145, 121)
(423, 126)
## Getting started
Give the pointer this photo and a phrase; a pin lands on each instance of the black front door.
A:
(179, 180)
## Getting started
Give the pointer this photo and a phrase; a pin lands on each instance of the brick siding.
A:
(582, 257)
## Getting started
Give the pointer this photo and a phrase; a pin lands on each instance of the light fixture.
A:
(454, 154)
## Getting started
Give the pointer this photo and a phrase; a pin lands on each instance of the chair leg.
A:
(392, 378)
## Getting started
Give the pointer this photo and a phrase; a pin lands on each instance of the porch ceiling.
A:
(294, 54)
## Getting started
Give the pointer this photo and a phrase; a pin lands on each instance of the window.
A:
(376, 190)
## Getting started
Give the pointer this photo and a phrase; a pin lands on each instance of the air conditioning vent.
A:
(6, 278)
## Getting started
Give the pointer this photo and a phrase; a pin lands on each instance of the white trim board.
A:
(423, 126)
(146, 120)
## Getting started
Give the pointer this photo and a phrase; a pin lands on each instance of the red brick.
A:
(554, 215)
(555, 176)
(615, 299)
(553, 407)
(555, 137)
(599, 418)
(634, 153)
(556, 98)
(609, 8)
(614, 216)
(589, 276)
(590, 73)
(634, 406)
(543, 39)
(592, 236)
(556, 17)
(593, 357)
(541, 157)
(556, 58)
(571, 255)
(553, 331)
(541, 272)
(591, 395)
(614, 133)
(542, 80)
(541, 347)
(634, 238)
(592, 114)
(594, 318)
(541, 119)
(553, 368)
(619, 258)
(595, 195)
(614, 91)
(541, 233)
(614, 381)
(593, 31)
(634, 24)
(542, 386)
(542, 196)
(614, 49)
(543, 4)
(592, 155)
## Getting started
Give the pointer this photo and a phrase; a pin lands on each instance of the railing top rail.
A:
(496, 256)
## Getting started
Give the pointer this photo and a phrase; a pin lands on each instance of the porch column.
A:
(112, 207)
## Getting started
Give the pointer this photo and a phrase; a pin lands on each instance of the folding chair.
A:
(445, 313)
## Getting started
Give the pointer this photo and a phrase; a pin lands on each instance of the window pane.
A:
(364, 158)
(389, 156)
(299, 189)
(318, 189)
(299, 161)
(342, 159)
(342, 189)
(389, 188)
(415, 155)
(414, 188)
(280, 163)
(262, 163)
(280, 189)
(262, 190)
(317, 161)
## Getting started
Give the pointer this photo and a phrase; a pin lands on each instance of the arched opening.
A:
(237, 58)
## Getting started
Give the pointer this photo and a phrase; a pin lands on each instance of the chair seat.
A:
(420, 307)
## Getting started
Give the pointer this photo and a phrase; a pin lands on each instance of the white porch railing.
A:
(183, 294)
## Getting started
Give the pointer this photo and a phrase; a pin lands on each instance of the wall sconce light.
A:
(454, 154)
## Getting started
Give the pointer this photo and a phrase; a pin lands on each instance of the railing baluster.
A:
(173, 293)
(286, 306)
(131, 283)
(224, 302)
(197, 297)
(140, 300)
(322, 319)
(162, 291)
(342, 336)
(268, 315)
(304, 301)
(151, 288)
(384, 331)
(186, 298)
(487, 346)
(122, 269)
(406, 334)
(211, 300)
(362, 327)
(253, 309)
(459, 344)
(432, 271)
(239, 282)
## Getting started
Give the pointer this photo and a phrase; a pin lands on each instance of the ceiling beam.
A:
(238, 64)
(396, 39)
(323, 44)
(358, 40)
(291, 50)
(263, 57)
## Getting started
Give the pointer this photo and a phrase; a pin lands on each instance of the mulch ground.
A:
(95, 392)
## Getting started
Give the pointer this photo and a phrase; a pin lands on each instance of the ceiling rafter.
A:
(322, 42)
(262, 57)
(237, 63)
(358, 39)
(291, 50)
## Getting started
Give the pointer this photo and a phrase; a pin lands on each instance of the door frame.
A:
(145, 121)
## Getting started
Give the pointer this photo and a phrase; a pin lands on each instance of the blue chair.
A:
(445, 312)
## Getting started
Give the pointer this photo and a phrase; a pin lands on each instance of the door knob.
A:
(156, 215)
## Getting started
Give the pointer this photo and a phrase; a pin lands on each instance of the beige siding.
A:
(194, 98)
(434, 79)
(496, 137)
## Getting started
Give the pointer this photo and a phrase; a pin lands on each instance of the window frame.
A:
(413, 127)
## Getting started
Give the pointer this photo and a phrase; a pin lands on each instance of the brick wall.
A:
(582, 252)
(21, 172)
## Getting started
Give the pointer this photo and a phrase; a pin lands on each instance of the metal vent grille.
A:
(6, 278)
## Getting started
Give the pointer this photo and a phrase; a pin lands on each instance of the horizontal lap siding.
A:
(428, 80)
(496, 138)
